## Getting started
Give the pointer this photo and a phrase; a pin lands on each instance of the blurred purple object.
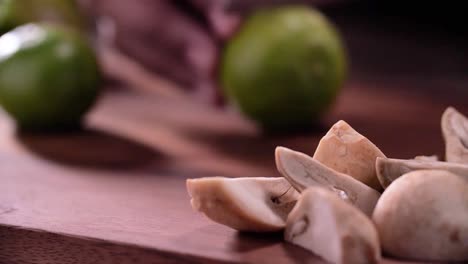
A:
(180, 39)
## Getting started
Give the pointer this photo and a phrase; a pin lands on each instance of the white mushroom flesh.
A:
(427, 158)
(332, 229)
(302, 172)
(455, 131)
(389, 170)
(245, 204)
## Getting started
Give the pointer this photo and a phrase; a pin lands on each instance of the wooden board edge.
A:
(20, 245)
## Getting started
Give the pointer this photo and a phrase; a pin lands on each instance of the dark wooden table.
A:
(115, 192)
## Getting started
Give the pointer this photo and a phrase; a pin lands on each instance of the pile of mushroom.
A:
(349, 202)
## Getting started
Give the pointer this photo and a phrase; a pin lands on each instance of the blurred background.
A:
(387, 41)
(180, 75)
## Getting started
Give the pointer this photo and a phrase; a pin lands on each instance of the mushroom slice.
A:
(244, 204)
(427, 158)
(303, 171)
(455, 131)
(389, 170)
(423, 215)
(332, 229)
(345, 150)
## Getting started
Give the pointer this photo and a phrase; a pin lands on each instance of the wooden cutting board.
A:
(115, 192)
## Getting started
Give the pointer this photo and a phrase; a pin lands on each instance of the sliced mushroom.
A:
(423, 215)
(245, 204)
(332, 229)
(389, 170)
(303, 171)
(345, 150)
(455, 130)
(427, 158)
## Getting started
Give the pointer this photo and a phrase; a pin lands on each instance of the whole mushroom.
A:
(423, 215)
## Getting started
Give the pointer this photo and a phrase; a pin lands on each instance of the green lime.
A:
(17, 12)
(284, 67)
(49, 76)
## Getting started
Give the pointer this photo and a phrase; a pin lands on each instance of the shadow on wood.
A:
(88, 148)
(258, 148)
(256, 241)
(300, 255)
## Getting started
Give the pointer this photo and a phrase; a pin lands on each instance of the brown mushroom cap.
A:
(345, 150)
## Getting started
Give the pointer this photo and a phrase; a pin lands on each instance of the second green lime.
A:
(49, 76)
(284, 67)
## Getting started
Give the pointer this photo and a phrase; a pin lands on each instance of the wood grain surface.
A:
(115, 192)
